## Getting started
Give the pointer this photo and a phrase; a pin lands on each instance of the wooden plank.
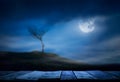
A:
(36, 75)
(12, 76)
(2, 73)
(102, 75)
(83, 75)
(68, 75)
(116, 73)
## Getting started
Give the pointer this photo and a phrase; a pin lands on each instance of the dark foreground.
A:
(47, 61)
(93, 75)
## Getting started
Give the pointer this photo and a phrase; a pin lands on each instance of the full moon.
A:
(87, 27)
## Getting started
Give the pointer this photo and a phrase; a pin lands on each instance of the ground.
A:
(45, 61)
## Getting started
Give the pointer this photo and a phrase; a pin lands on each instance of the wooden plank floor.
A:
(60, 75)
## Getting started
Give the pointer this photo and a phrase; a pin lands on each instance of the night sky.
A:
(62, 19)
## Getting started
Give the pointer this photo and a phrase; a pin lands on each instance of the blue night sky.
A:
(63, 19)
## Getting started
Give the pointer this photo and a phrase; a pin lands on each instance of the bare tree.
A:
(38, 34)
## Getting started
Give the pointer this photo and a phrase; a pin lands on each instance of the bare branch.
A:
(38, 34)
(35, 33)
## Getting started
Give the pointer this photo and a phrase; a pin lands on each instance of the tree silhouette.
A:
(37, 33)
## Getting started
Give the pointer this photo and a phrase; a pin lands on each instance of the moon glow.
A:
(87, 27)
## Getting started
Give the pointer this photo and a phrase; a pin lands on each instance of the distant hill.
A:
(38, 61)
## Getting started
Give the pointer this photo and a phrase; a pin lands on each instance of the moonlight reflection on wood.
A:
(68, 34)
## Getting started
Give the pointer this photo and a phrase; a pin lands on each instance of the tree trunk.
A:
(42, 44)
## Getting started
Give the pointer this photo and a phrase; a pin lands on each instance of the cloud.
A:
(103, 52)
(19, 43)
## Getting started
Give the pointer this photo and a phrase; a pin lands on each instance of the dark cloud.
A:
(21, 9)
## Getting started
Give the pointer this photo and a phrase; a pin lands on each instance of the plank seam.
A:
(61, 74)
(74, 75)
